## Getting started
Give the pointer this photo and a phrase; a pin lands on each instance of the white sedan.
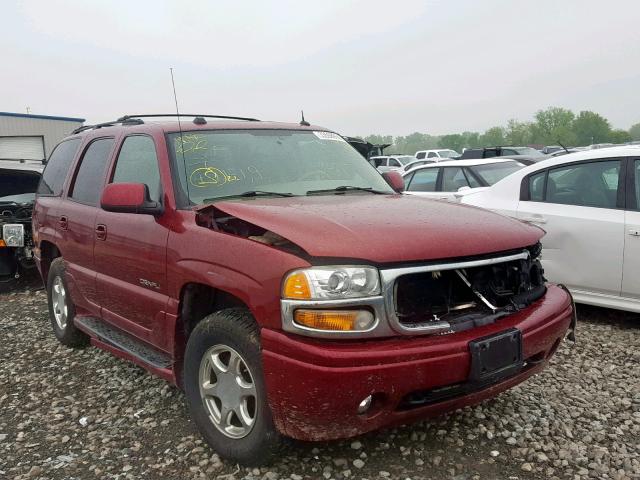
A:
(588, 203)
(455, 178)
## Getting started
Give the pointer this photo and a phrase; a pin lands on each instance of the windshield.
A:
(528, 151)
(13, 183)
(493, 172)
(448, 153)
(405, 159)
(222, 163)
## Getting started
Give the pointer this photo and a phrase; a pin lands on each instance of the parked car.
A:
(416, 163)
(448, 180)
(257, 265)
(525, 159)
(490, 152)
(588, 203)
(549, 149)
(387, 163)
(367, 149)
(18, 183)
(437, 155)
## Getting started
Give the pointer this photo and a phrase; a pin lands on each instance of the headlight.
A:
(330, 283)
(13, 235)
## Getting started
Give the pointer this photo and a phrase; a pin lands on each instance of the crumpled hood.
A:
(383, 228)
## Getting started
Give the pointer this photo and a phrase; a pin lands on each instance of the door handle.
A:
(101, 232)
(534, 219)
(63, 222)
(634, 232)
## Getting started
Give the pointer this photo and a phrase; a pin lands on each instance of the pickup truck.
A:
(289, 288)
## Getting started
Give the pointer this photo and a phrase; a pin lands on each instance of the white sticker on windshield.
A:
(329, 136)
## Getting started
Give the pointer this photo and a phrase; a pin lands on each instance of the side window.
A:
(91, 173)
(424, 180)
(57, 168)
(432, 155)
(420, 155)
(393, 162)
(593, 184)
(473, 182)
(637, 175)
(508, 151)
(407, 180)
(452, 179)
(137, 163)
(536, 186)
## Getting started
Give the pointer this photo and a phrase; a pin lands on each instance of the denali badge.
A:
(149, 284)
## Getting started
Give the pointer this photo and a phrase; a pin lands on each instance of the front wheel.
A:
(225, 388)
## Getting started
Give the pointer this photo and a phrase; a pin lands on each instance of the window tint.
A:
(424, 180)
(473, 182)
(420, 155)
(536, 187)
(57, 167)
(90, 176)
(137, 163)
(592, 184)
(637, 175)
(452, 179)
(393, 162)
(432, 155)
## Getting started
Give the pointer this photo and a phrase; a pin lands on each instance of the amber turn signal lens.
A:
(336, 320)
(2, 244)
(297, 287)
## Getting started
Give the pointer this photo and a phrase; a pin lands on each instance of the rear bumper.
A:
(314, 387)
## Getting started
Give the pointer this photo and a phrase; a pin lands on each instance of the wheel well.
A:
(196, 302)
(48, 253)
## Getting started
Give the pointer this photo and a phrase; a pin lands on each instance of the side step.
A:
(123, 341)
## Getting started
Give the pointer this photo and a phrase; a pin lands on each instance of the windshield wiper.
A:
(347, 188)
(250, 193)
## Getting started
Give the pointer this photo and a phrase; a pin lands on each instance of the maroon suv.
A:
(275, 275)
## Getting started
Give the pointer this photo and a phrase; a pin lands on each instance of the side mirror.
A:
(395, 180)
(129, 198)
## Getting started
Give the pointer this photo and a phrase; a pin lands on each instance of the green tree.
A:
(619, 136)
(553, 125)
(492, 137)
(634, 132)
(454, 141)
(518, 133)
(379, 139)
(410, 144)
(590, 127)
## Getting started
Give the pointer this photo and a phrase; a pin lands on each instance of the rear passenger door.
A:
(580, 206)
(631, 269)
(76, 223)
(130, 252)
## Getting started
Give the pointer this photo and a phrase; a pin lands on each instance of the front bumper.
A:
(315, 386)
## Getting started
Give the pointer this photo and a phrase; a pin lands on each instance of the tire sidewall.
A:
(69, 333)
(217, 329)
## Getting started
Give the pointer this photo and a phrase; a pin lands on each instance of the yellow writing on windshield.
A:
(211, 177)
(191, 143)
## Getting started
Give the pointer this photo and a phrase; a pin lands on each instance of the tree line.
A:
(552, 126)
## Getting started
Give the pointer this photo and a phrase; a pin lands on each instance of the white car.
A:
(437, 155)
(386, 163)
(588, 203)
(456, 178)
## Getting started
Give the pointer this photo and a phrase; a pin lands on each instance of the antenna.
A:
(565, 148)
(303, 122)
(184, 162)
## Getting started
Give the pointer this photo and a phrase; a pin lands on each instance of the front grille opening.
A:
(469, 297)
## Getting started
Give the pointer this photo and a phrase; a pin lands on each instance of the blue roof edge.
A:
(42, 117)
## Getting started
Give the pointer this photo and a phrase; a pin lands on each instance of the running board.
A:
(123, 341)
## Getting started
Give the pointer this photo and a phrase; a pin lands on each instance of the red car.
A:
(290, 289)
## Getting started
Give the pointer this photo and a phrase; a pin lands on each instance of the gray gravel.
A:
(67, 414)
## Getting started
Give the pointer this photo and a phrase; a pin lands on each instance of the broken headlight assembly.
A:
(13, 235)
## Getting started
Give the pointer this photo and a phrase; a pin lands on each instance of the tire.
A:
(221, 335)
(62, 311)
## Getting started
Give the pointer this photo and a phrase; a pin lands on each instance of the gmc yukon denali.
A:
(290, 289)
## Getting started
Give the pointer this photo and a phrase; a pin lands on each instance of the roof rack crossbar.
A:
(155, 115)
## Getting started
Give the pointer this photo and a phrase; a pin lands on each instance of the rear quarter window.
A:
(57, 167)
(90, 175)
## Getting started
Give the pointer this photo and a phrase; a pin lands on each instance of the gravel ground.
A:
(67, 414)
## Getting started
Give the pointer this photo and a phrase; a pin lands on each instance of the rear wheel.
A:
(61, 308)
(225, 388)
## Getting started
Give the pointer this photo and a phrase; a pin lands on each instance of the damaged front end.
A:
(462, 295)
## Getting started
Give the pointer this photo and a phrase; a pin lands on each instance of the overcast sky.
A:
(359, 67)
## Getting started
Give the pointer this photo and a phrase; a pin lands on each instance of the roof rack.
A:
(137, 120)
(155, 115)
